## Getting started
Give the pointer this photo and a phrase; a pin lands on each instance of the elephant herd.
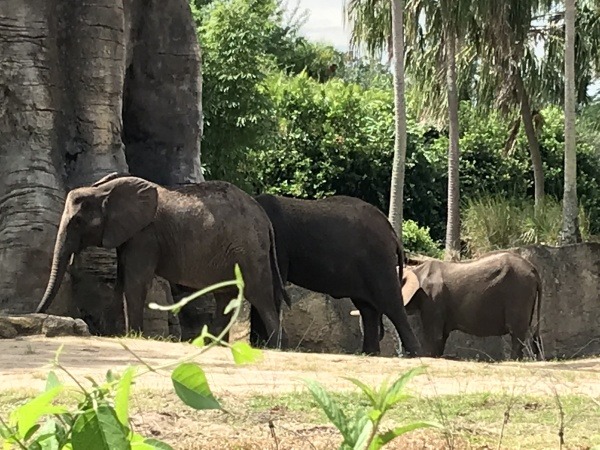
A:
(193, 235)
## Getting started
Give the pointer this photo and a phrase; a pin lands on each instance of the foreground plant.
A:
(100, 421)
(361, 432)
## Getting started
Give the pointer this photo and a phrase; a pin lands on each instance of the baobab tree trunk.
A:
(87, 88)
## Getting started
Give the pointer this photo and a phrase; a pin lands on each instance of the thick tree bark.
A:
(87, 88)
(397, 187)
(534, 145)
(570, 227)
(453, 222)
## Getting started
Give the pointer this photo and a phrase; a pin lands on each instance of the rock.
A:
(320, 323)
(7, 330)
(49, 325)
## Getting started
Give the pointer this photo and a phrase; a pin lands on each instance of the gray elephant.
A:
(490, 296)
(190, 235)
(343, 247)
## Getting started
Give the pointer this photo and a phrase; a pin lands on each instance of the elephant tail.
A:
(278, 284)
(537, 341)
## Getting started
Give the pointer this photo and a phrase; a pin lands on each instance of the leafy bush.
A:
(493, 223)
(418, 240)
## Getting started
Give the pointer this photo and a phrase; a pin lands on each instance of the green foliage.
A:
(361, 431)
(100, 421)
(234, 35)
(417, 239)
(493, 223)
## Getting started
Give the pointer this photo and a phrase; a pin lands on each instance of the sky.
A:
(325, 22)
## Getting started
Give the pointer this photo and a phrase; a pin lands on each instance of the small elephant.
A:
(190, 235)
(490, 296)
(343, 247)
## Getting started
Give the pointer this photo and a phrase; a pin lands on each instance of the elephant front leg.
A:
(138, 269)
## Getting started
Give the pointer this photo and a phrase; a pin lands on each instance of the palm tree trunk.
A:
(570, 228)
(534, 145)
(397, 187)
(453, 223)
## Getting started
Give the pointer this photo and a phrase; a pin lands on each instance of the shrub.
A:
(417, 239)
(492, 223)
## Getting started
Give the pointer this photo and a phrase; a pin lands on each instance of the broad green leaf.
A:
(99, 429)
(243, 353)
(363, 440)
(331, 409)
(192, 387)
(122, 396)
(383, 438)
(26, 416)
(52, 381)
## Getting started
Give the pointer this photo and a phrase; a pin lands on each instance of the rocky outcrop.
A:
(48, 325)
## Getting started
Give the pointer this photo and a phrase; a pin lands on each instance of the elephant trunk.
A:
(63, 249)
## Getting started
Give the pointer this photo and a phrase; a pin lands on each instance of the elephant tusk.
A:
(71, 259)
(355, 312)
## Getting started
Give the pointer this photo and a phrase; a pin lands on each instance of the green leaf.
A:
(243, 353)
(139, 442)
(331, 409)
(363, 440)
(122, 396)
(382, 439)
(234, 303)
(200, 340)
(25, 416)
(99, 429)
(51, 435)
(52, 381)
(366, 390)
(192, 387)
(395, 393)
(31, 432)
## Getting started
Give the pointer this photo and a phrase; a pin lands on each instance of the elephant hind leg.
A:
(389, 296)
(370, 318)
(517, 346)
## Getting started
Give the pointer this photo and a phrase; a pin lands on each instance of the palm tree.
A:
(570, 228)
(434, 72)
(397, 186)
(374, 24)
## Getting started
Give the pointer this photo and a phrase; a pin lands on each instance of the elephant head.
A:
(106, 214)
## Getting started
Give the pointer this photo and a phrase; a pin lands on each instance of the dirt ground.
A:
(24, 364)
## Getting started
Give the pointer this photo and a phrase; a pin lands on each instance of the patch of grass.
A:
(531, 421)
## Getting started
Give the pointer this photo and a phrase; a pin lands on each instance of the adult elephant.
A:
(343, 247)
(490, 296)
(190, 235)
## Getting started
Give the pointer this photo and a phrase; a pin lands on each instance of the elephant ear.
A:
(110, 177)
(129, 207)
(410, 285)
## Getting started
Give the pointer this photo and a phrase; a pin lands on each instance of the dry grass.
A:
(507, 405)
